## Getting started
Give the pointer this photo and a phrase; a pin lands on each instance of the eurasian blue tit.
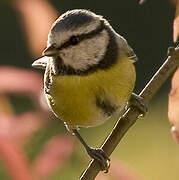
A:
(89, 73)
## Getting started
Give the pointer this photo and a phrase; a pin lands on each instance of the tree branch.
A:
(132, 114)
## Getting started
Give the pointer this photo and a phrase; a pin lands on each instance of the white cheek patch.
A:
(87, 53)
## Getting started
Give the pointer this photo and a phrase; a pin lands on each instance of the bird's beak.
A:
(40, 63)
(50, 51)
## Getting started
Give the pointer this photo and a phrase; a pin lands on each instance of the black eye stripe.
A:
(74, 40)
(83, 36)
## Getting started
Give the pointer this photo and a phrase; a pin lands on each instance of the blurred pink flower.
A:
(14, 159)
(35, 18)
(53, 156)
(18, 80)
(173, 106)
(14, 129)
(21, 81)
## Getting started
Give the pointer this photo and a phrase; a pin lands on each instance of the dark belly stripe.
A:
(105, 106)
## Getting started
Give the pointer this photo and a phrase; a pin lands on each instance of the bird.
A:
(89, 73)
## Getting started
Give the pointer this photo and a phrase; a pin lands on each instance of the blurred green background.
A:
(148, 147)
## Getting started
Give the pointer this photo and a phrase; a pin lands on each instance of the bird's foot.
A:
(100, 156)
(138, 102)
(170, 51)
(97, 154)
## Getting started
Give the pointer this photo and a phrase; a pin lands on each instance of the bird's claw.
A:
(100, 156)
(138, 102)
(170, 51)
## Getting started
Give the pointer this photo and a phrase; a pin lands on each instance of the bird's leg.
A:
(138, 102)
(97, 154)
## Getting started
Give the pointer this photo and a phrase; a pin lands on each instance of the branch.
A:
(132, 114)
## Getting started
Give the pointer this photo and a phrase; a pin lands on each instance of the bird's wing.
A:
(125, 49)
(130, 53)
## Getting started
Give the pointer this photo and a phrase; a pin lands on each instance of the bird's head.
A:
(79, 41)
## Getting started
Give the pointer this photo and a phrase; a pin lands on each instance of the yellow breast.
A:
(73, 98)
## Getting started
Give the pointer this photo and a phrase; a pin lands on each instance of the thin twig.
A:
(132, 114)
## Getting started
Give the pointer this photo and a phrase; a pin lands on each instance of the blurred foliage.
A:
(148, 147)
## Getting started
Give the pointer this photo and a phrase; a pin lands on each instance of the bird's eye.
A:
(74, 40)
